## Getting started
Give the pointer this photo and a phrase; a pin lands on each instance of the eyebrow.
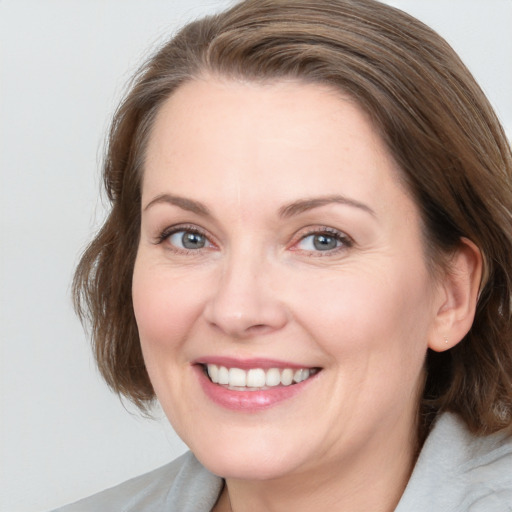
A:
(182, 202)
(289, 210)
(303, 205)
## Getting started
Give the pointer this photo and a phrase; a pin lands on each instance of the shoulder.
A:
(183, 485)
(459, 471)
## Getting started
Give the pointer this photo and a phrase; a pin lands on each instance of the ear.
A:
(458, 295)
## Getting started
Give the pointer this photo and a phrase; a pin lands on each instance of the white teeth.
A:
(256, 377)
(273, 377)
(213, 372)
(237, 377)
(301, 375)
(223, 375)
(287, 377)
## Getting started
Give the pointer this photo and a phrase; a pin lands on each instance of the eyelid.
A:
(167, 232)
(346, 240)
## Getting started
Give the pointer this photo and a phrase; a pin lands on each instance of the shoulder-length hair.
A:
(436, 122)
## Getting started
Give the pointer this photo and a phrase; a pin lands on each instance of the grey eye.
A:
(319, 242)
(188, 240)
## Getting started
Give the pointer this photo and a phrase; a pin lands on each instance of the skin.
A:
(365, 312)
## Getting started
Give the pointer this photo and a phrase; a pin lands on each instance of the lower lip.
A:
(249, 401)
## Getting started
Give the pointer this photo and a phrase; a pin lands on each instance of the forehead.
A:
(215, 137)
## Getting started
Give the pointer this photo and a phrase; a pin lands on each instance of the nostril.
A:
(258, 329)
(240, 310)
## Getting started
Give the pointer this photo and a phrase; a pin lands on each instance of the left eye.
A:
(188, 240)
(320, 242)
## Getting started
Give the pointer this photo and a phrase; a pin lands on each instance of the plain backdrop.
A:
(63, 67)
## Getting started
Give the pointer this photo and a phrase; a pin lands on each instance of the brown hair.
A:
(435, 120)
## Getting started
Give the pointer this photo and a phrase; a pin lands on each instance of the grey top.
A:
(455, 472)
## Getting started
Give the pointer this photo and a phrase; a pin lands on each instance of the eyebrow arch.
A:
(182, 202)
(303, 205)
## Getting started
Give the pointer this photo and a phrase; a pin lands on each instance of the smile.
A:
(256, 379)
(252, 385)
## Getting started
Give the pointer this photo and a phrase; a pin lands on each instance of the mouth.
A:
(256, 379)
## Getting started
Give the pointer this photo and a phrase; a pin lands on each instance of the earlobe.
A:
(459, 291)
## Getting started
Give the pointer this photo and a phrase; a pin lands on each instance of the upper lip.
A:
(247, 364)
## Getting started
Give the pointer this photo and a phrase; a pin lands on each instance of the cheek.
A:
(386, 313)
(375, 331)
(165, 307)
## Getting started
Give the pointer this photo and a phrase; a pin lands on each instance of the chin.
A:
(249, 458)
(241, 467)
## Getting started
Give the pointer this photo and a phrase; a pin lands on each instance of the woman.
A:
(307, 263)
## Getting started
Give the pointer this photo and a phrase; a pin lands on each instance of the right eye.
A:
(187, 239)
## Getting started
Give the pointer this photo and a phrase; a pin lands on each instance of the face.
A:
(280, 288)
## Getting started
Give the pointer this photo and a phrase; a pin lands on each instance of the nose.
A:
(246, 301)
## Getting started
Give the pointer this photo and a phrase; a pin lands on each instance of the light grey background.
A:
(62, 69)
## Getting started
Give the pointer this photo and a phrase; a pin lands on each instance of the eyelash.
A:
(345, 242)
(168, 232)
